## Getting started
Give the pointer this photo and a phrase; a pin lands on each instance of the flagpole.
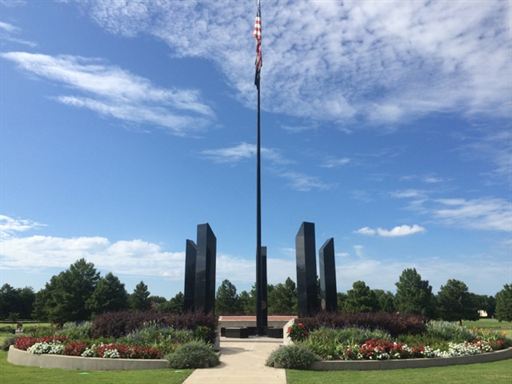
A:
(261, 305)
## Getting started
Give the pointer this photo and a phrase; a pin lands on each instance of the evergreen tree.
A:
(139, 299)
(413, 295)
(109, 295)
(66, 294)
(8, 297)
(456, 303)
(504, 303)
(174, 305)
(282, 299)
(247, 303)
(386, 300)
(39, 309)
(157, 301)
(341, 298)
(361, 299)
(226, 301)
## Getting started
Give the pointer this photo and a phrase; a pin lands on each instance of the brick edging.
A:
(367, 365)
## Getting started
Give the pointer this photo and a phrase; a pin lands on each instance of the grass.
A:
(496, 373)
(503, 326)
(12, 374)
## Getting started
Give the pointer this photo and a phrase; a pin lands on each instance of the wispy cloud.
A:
(486, 213)
(10, 33)
(298, 181)
(304, 183)
(334, 162)
(10, 226)
(398, 231)
(241, 152)
(114, 92)
(361, 59)
(8, 27)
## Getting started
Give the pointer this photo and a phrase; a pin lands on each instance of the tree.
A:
(361, 299)
(504, 303)
(157, 301)
(174, 305)
(485, 303)
(247, 302)
(226, 301)
(66, 294)
(413, 295)
(282, 299)
(386, 300)
(8, 297)
(341, 298)
(109, 295)
(456, 303)
(139, 299)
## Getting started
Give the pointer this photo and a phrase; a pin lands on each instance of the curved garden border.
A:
(367, 365)
(19, 357)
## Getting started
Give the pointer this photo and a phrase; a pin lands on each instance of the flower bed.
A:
(438, 340)
(55, 345)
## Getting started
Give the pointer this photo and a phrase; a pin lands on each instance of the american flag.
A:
(257, 35)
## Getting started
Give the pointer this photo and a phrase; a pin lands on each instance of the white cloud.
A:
(8, 27)
(359, 250)
(339, 60)
(142, 258)
(10, 226)
(112, 91)
(336, 162)
(241, 152)
(304, 183)
(487, 214)
(9, 32)
(398, 231)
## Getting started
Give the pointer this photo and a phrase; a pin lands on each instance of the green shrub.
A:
(76, 331)
(195, 354)
(360, 335)
(326, 342)
(292, 356)
(8, 341)
(166, 339)
(323, 342)
(449, 331)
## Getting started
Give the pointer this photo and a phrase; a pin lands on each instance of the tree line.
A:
(79, 293)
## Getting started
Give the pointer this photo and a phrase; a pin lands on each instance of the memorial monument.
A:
(305, 250)
(327, 267)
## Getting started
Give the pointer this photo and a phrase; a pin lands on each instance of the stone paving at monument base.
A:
(242, 362)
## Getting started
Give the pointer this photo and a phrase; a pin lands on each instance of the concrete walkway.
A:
(241, 362)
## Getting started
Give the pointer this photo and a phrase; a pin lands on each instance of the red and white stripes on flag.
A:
(257, 35)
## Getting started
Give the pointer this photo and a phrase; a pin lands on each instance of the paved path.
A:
(241, 362)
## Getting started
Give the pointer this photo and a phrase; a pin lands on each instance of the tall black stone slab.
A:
(204, 292)
(328, 276)
(190, 275)
(305, 250)
(264, 292)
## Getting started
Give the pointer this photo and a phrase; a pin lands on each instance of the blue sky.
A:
(125, 124)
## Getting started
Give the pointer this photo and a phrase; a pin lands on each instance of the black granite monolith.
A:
(204, 292)
(328, 276)
(190, 275)
(305, 250)
(264, 292)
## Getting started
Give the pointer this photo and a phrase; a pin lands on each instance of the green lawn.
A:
(504, 326)
(490, 373)
(12, 374)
